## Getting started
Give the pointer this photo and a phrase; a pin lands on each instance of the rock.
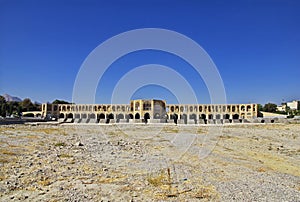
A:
(79, 144)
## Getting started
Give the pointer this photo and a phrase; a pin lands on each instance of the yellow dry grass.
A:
(207, 192)
(275, 163)
(158, 179)
(45, 182)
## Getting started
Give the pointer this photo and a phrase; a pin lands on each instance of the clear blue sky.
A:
(255, 44)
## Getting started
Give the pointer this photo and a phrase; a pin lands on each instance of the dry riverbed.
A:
(150, 163)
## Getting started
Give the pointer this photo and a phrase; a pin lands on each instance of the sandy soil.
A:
(243, 162)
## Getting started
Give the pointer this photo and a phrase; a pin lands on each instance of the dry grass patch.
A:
(3, 160)
(261, 169)
(275, 163)
(45, 182)
(201, 130)
(65, 156)
(60, 144)
(7, 152)
(207, 192)
(167, 129)
(32, 136)
(158, 178)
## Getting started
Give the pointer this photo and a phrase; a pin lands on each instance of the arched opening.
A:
(83, 116)
(92, 116)
(262, 121)
(200, 108)
(235, 116)
(175, 117)
(181, 109)
(248, 108)
(61, 116)
(195, 108)
(129, 116)
(110, 116)
(210, 116)
(147, 105)
(184, 117)
(146, 117)
(203, 116)
(102, 116)
(218, 116)
(172, 108)
(137, 106)
(70, 116)
(224, 109)
(242, 108)
(193, 116)
(77, 116)
(137, 116)
(272, 121)
(29, 115)
(226, 116)
(233, 108)
(120, 116)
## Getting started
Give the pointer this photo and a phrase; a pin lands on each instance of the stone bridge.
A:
(155, 111)
(32, 114)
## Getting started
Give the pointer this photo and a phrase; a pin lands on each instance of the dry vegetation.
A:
(42, 163)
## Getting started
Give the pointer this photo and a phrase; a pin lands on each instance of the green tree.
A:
(3, 106)
(270, 107)
(260, 107)
(27, 105)
(60, 102)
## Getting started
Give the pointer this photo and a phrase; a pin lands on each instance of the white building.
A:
(281, 108)
(294, 105)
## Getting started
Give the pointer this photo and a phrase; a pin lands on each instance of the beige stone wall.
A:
(138, 108)
(209, 111)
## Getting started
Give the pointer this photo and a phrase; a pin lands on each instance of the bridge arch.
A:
(137, 116)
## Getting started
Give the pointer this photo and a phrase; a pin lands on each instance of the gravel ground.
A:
(243, 162)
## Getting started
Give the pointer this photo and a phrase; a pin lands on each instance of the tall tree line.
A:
(16, 108)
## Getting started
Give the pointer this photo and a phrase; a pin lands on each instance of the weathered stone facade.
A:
(157, 111)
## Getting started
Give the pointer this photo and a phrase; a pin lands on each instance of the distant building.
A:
(281, 108)
(293, 105)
